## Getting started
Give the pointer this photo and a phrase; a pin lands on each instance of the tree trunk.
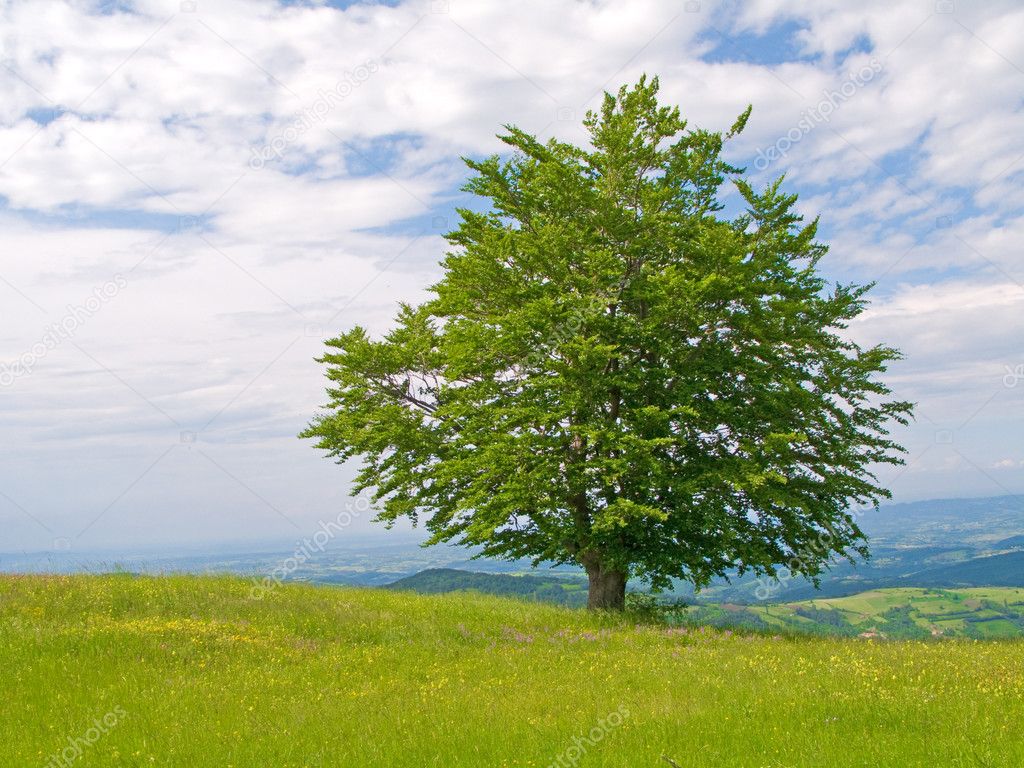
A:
(607, 588)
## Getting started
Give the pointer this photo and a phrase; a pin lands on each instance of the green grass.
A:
(194, 673)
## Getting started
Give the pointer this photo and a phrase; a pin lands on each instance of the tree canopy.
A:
(612, 372)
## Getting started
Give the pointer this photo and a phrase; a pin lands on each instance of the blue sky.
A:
(194, 194)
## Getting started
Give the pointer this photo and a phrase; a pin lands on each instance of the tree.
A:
(612, 373)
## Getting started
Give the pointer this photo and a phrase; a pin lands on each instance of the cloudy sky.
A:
(194, 194)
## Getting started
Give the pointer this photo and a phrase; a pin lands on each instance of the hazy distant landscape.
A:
(940, 543)
(942, 564)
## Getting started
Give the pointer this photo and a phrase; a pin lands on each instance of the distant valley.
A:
(946, 544)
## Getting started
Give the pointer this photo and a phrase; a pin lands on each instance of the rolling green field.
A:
(903, 613)
(189, 671)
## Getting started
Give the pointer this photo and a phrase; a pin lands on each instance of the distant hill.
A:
(1013, 542)
(976, 522)
(971, 569)
(562, 590)
(936, 543)
(996, 571)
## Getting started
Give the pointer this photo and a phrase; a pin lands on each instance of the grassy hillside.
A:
(189, 671)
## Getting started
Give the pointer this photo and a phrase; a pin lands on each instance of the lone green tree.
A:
(612, 373)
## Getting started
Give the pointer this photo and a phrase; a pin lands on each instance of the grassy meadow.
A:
(190, 671)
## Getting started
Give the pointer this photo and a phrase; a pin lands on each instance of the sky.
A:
(194, 194)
